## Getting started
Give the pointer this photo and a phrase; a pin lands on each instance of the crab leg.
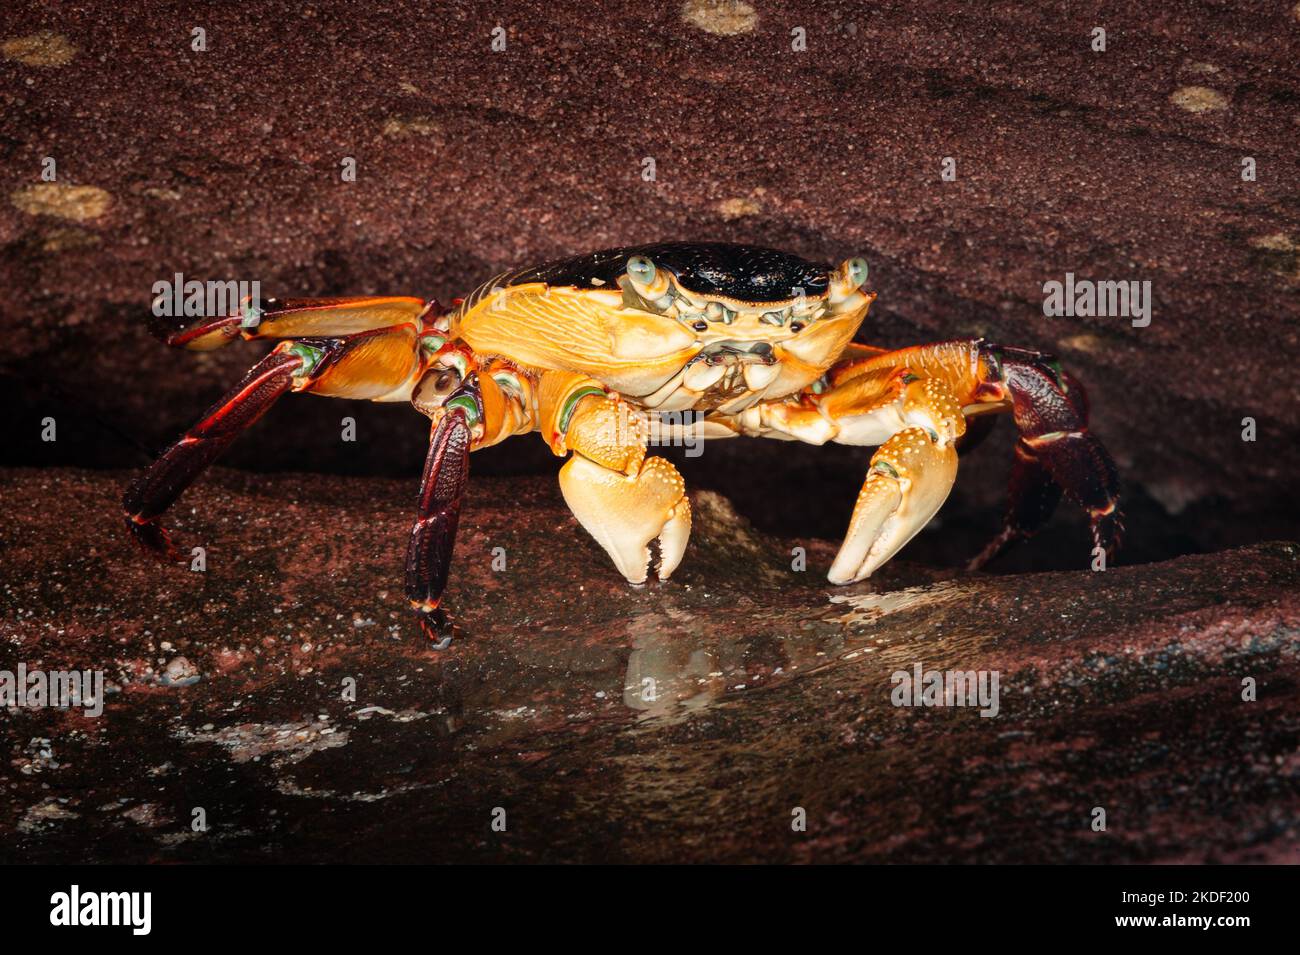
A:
(378, 364)
(158, 487)
(625, 500)
(858, 403)
(299, 317)
(433, 537)
(1056, 451)
(1032, 496)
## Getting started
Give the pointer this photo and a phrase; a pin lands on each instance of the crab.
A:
(593, 351)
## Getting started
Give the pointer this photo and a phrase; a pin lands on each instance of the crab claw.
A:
(910, 477)
(625, 512)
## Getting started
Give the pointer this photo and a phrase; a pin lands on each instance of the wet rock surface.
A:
(685, 721)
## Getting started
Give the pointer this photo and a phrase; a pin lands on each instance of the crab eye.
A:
(701, 326)
(641, 269)
(857, 272)
(848, 277)
(651, 284)
(446, 382)
(796, 326)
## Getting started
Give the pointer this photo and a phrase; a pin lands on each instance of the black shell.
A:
(748, 273)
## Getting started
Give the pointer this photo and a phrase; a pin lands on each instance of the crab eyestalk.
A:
(717, 312)
(649, 282)
(846, 286)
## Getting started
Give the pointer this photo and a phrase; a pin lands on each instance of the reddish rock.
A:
(1122, 690)
(225, 164)
(769, 690)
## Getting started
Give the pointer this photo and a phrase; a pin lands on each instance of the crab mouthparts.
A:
(737, 353)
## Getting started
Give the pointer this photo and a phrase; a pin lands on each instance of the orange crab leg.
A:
(157, 488)
(295, 317)
(379, 364)
(306, 317)
(376, 365)
(208, 335)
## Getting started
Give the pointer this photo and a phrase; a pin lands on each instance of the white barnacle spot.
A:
(1198, 99)
(720, 17)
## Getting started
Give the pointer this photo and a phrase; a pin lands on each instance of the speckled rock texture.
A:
(1122, 689)
(769, 691)
(226, 164)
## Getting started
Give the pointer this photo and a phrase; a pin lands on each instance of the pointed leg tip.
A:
(993, 549)
(153, 539)
(1108, 532)
(437, 627)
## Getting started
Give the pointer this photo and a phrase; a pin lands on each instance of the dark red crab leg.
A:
(1056, 451)
(433, 536)
(164, 481)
